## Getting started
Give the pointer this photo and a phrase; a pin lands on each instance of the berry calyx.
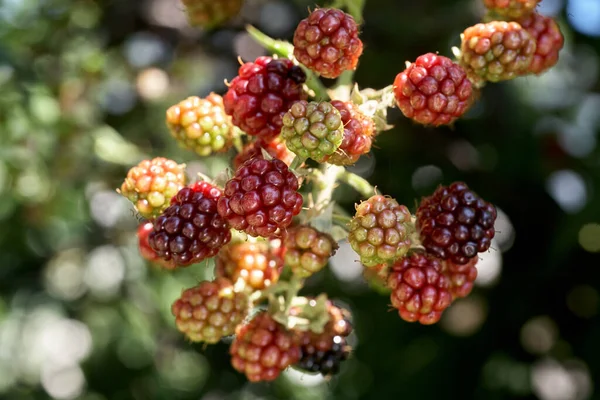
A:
(201, 125)
(190, 230)
(455, 224)
(433, 90)
(151, 184)
(210, 311)
(380, 230)
(513, 9)
(313, 130)
(549, 41)
(262, 348)
(358, 134)
(261, 199)
(143, 232)
(307, 250)
(420, 291)
(276, 148)
(461, 277)
(209, 14)
(262, 93)
(257, 264)
(327, 42)
(497, 51)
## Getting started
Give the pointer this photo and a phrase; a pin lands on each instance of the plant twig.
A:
(361, 185)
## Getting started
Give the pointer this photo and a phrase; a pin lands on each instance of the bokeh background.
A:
(84, 85)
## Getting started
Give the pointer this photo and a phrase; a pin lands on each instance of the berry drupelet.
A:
(262, 93)
(380, 230)
(496, 51)
(263, 348)
(358, 134)
(210, 311)
(151, 184)
(307, 250)
(461, 277)
(258, 264)
(143, 232)
(201, 125)
(190, 230)
(549, 41)
(313, 130)
(420, 290)
(433, 90)
(261, 199)
(455, 224)
(327, 42)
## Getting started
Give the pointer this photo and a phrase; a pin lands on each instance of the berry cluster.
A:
(266, 226)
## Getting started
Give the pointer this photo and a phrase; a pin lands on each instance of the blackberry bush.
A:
(270, 221)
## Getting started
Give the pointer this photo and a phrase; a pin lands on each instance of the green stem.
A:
(343, 219)
(286, 49)
(324, 186)
(361, 185)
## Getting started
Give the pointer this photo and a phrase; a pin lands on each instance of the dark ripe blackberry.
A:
(455, 224)
(326, 362)
(190, 229)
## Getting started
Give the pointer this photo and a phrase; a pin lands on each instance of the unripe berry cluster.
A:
(288, 140)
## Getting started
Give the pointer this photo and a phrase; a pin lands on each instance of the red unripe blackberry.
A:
(258, 264)
(307, 250)
(513, 9)
(261, 199)
(496, 51)
(433, 90)
(262, 93)
(276, 148)
(455, 224)
(549, 40)
(358, 134)
(201, 125)
(190, 230)
(380, 230)
(210, 311)
(151, 184)
(327, 42)
(313, 130)
(263, 348)
(420, 290)
(209, 14)
(461, 277)
(143, 232)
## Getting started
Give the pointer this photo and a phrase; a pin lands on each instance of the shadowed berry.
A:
(307, 250)
(201, 125)
(513, 9)
(262, 93)
(143, 232)
(461, 277)
(455, 224)
(380, 230)
(258, 264)
(276, 148)
(433, 90)
(261, 199)
(313, 130)
(549, 41)
(209, 14)
(190, 230)
(358, 134)
(497, 51)
(210, 311)
(326, 362)
(420, 290)
(151, 184)
(327, 42)
(262, 348)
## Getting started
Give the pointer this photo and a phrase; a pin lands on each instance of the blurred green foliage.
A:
(85, 84)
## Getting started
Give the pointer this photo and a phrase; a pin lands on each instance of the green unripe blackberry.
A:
(308, 250)
(313, 130)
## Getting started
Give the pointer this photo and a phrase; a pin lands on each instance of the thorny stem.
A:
(361, 185)
(325, 184)
(286, 49)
